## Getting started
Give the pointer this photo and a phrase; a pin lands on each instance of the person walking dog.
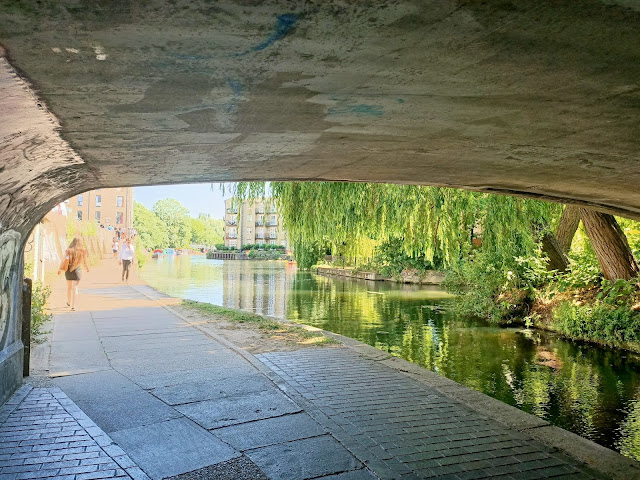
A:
(74, 257)
(126, 257)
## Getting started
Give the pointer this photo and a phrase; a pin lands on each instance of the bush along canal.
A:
(589, 390)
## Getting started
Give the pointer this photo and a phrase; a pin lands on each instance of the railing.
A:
(260, 237)
(232, 237)
(260, 211)
(232, 210)
(273, 235)
(259, 223)
(232, 222)
(272, 223)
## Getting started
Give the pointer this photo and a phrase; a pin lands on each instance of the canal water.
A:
(592, 391)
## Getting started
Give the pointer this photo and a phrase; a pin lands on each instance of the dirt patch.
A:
(258, 337)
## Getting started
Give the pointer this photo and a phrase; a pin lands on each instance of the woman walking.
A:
(74, 257)
(126, 256)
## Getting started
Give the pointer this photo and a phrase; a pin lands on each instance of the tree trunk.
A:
(557, 259)
(609, 244)
(567, 227)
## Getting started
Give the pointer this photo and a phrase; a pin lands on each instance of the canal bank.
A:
(593, 392)
(155, 381)
(427, 278)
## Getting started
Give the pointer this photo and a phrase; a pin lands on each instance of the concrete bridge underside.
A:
(538, 99)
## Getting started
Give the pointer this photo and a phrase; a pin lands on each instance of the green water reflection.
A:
(591, 391)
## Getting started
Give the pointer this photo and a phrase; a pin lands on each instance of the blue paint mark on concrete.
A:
(236, 86)
(283, 25)
(359, 109)
(400, 100)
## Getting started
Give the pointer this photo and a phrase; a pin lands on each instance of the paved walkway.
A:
(133, 390)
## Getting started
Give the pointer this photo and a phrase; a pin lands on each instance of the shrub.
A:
(600, 321)
(39, 316)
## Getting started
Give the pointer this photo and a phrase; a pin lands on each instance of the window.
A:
(98, 217)
(119, 217)
(118, 202)
(79, 215)
(98, 200)
(249, 231)
(79, 200)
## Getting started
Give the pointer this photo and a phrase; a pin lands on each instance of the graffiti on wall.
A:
(9, 249)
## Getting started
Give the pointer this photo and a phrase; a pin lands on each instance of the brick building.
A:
(105, 206)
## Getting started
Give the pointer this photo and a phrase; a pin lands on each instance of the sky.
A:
(197, 197)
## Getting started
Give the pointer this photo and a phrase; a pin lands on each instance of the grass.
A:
(265, 325)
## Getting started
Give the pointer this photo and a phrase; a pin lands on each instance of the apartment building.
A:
(105, 206)
(253, 222)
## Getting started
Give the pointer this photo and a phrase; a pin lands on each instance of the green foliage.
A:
(151, 230)
(222, 247)
(308, 254)
(206, 230)
(433, 223)
(176, 219)
(618, 293)
(497, 285)
(257, 246)
(39, 296)
(390, 259)
(600, 321)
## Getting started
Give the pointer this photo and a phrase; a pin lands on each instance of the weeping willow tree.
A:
(353, 218)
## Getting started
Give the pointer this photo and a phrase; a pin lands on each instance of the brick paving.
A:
(403, 429)
(43, 434)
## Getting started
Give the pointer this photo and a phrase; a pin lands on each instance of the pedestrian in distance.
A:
(74, 257)
(126, 257)
(115, 246)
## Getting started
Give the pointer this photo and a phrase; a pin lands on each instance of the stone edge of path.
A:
(103, 440)
(600, 459)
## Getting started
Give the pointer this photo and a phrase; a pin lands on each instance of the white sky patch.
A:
(56, 49)
(72, 50)
(100, 55)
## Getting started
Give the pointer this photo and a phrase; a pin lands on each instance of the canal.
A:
(591, 391)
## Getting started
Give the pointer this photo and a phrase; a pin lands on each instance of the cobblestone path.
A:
(43, 434)
(403, 429)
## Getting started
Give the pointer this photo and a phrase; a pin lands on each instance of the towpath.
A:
(126, 387)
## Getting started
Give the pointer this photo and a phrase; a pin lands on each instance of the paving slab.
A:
(216, 374)
(172, 447)
(230, 411)
(199, 391)
(131, 408)
(303, 459)
(270, 431)
(106, 384)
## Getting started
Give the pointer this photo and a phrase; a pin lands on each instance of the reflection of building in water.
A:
(249, 287)
(253, 222)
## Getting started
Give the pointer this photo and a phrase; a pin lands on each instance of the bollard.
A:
(27, 287)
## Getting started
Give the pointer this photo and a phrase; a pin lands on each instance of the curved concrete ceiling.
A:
(533, 98)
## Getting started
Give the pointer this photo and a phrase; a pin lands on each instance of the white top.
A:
(126, 253)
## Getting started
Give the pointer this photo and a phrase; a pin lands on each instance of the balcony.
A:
(272, 223)
(273, 235)
(260, 237)
(232, 210)
(260, 211)
(232, 222)
(232, 236)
